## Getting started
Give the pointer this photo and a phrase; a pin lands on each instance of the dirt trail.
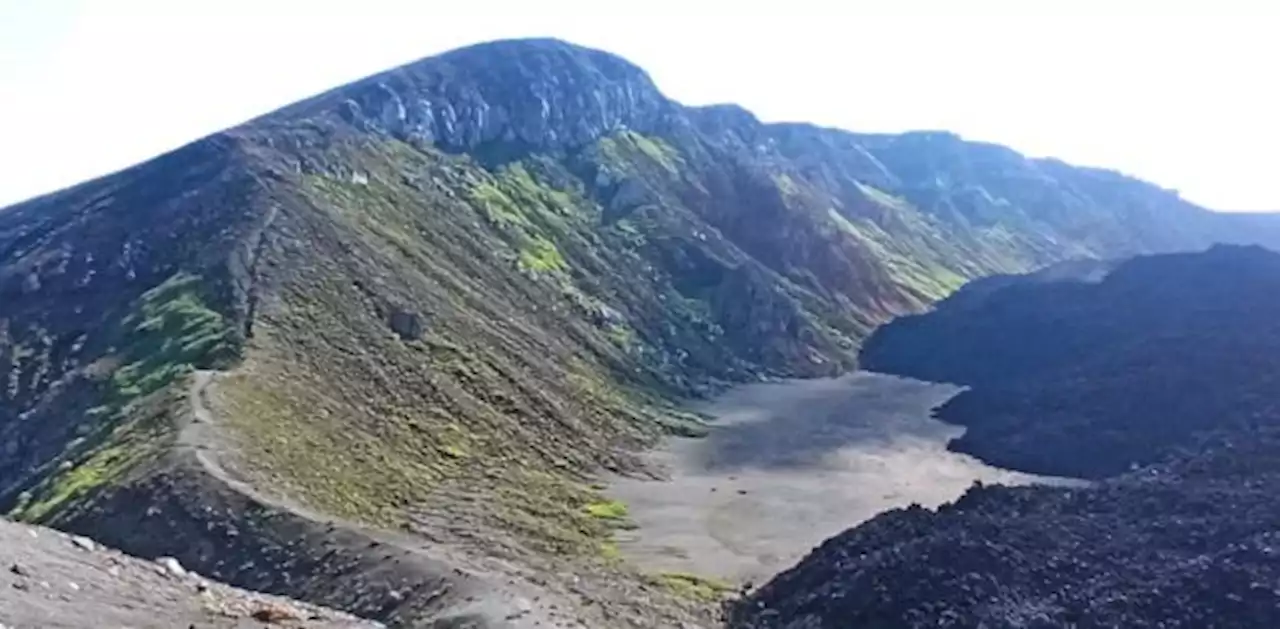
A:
(498, 600)
(789, 464)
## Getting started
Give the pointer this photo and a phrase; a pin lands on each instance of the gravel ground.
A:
(789, 464)
(49, 580)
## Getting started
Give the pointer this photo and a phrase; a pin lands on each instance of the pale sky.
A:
(1188, 100)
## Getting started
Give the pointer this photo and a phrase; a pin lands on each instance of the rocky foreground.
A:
(50, 580)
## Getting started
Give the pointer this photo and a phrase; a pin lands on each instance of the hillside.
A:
(1054, 365)
(1168, 361)
(440, 299)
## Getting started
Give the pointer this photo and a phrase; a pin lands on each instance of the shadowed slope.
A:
(1054, 364)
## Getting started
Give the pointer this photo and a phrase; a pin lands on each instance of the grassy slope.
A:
(552, 340)
(170, 332)
(110, 295)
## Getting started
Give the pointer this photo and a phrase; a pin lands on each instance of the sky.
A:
(1179, 92)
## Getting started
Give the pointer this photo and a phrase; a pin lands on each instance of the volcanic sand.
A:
(787, 465)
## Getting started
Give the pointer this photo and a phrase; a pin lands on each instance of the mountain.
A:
(439, 300)
(1169, 362)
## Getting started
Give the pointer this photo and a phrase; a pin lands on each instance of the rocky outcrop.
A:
(537, 95)
(409, 326)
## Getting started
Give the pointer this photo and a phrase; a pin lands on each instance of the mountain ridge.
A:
(437, 310)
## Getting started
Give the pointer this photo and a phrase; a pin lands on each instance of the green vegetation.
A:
(786, 185)
(530, 193)
(563, 517)
(693, 587)
(609, 552)
(311, 451)
(499, 209)
(627, 149)
(170, 331)
(453, 451)
(97, 470)
(515, 202)
(542, 255)
(656, 150)
(608, 510)
(914, 269)
(490, 392)
(127, 446)
(622, 335)
(881, 197)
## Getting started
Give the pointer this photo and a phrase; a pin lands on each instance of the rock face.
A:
(582, 250)
(540, 95)
(1169, 360)
(408, 325)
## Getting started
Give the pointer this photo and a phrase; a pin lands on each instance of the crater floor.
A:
(787, 465)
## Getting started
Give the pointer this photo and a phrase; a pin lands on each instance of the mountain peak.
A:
(535, 93)
(544, 53)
